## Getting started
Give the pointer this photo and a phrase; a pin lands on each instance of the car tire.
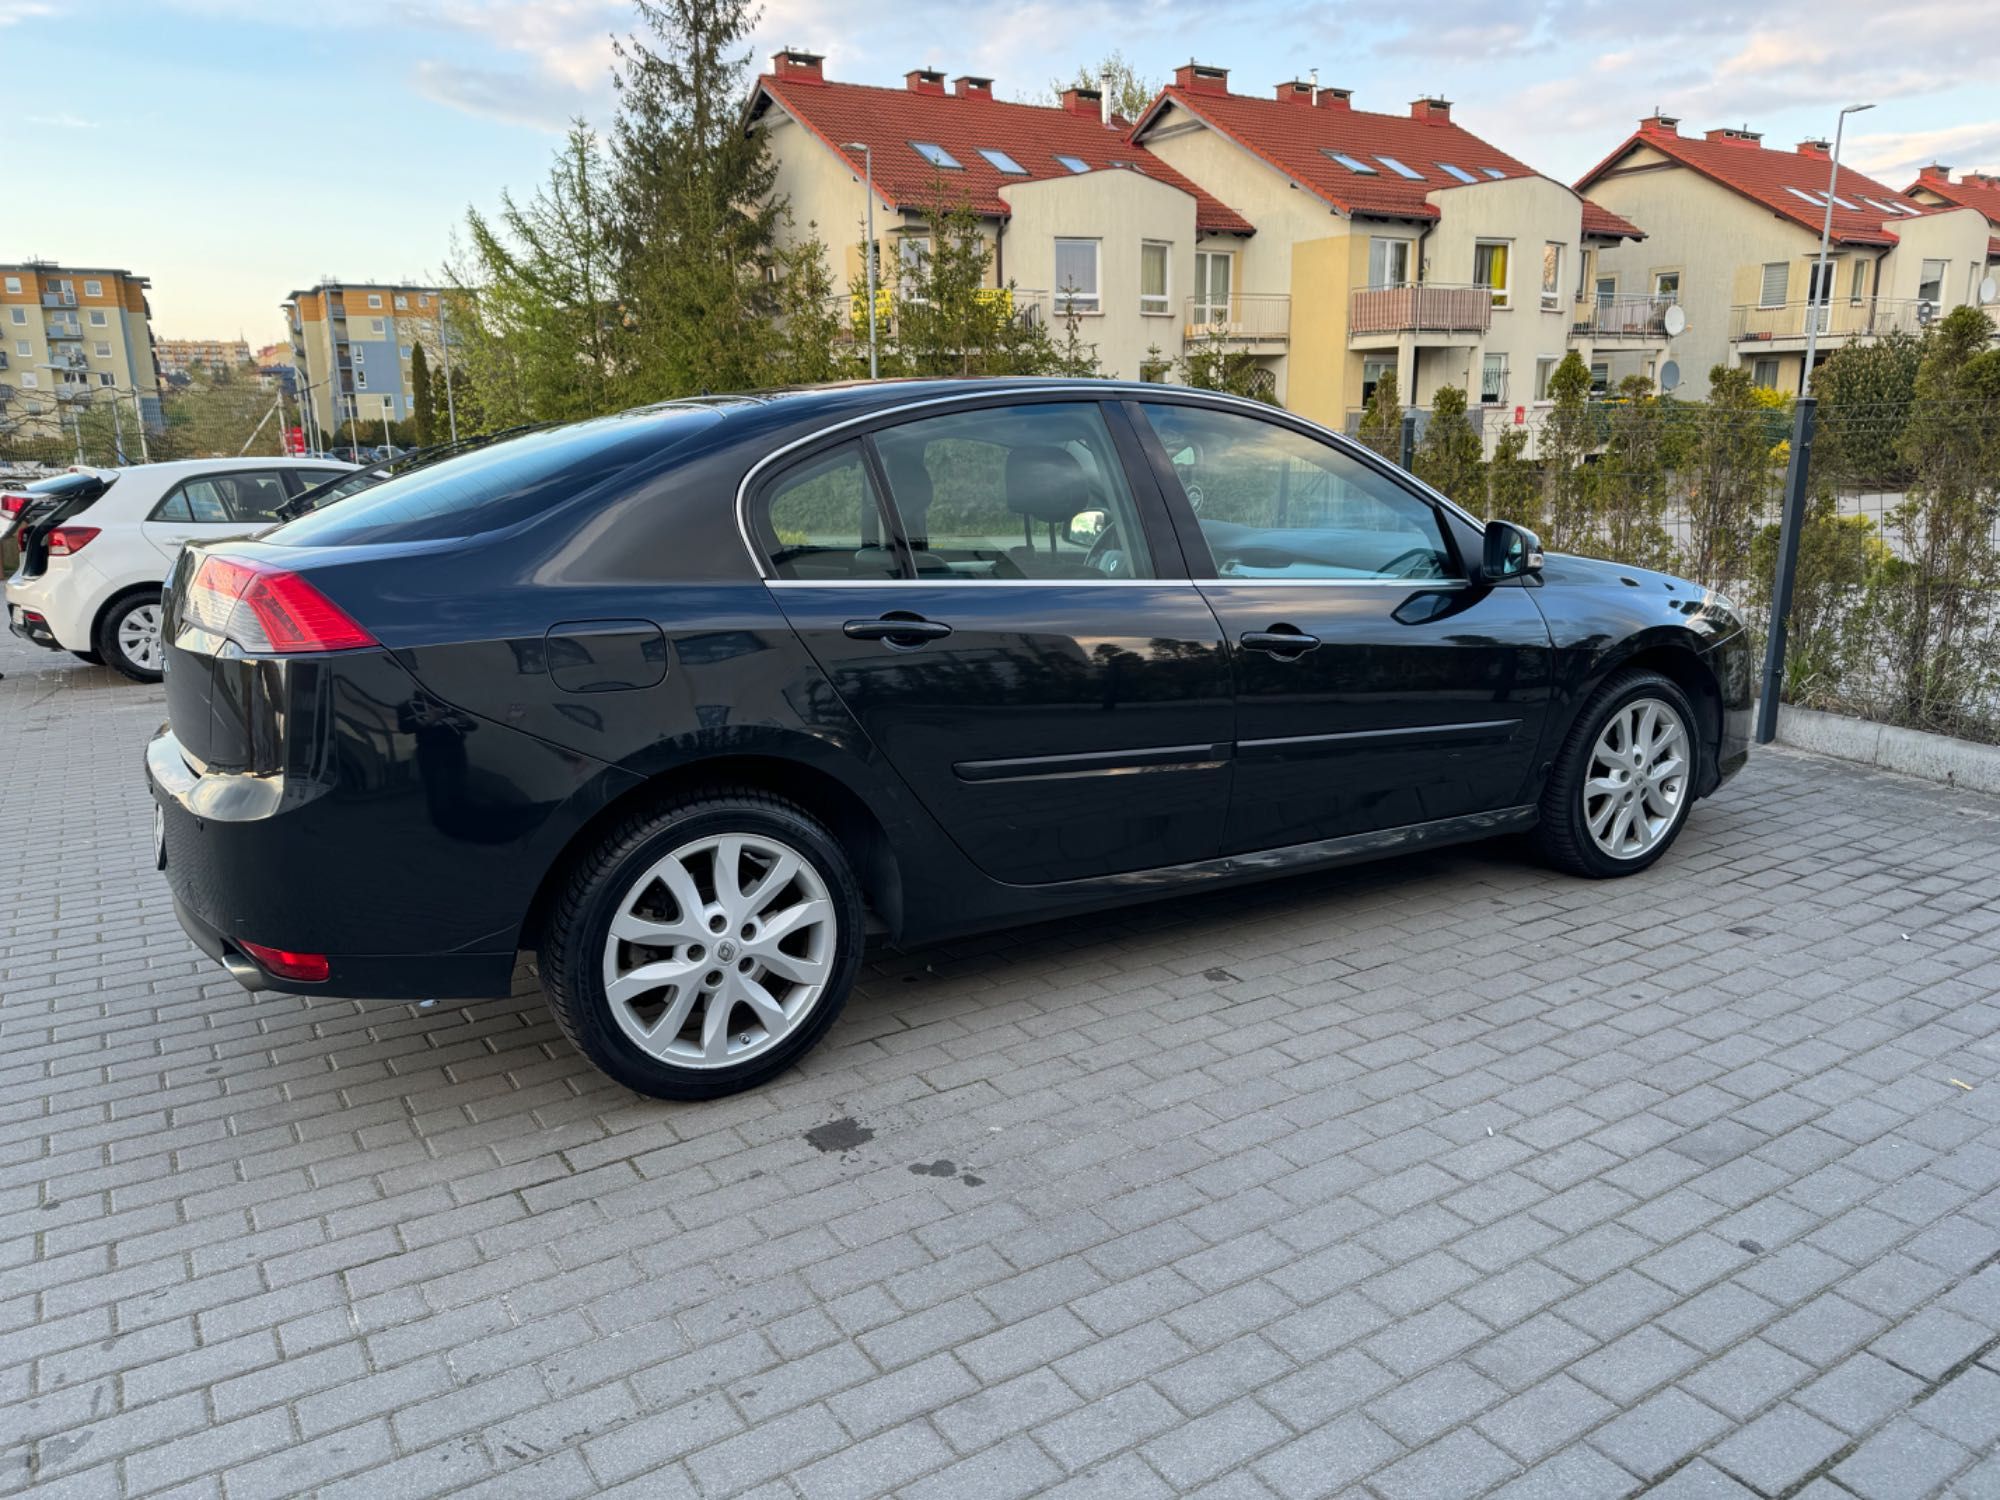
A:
(655, 958)
(128, 635)
(88, 656)
(1621, 787)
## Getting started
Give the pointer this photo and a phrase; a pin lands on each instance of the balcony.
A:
(1425, 307)
(64, 330)
(1261, 320)
(59, 299)
(1635, 315)
(1786, 323)
(68, 359)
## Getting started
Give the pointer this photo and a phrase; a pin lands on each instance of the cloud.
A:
(1895, 158)
(14, 12)
(61, 122)
(513, 95)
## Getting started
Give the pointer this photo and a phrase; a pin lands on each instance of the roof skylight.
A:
(1003, 162)
(1459, 172)
(1075, 163)
(1398, 168)
(1352, 163)
(1494, 172)
(936, 155)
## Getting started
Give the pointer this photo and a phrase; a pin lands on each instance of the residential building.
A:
(1078, 218)
(1734, 227)
(351, 343)
(73, 334)
(185, 356)
(1979, 191)
(1394, 242)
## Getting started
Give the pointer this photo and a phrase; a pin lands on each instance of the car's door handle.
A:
(1281, 641)
(897, 630)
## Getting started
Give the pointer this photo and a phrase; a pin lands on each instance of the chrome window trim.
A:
(933, 580)
(1105, 390)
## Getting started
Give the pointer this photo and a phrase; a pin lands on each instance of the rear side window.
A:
(824, 520)
(496, 487)
(219, 499)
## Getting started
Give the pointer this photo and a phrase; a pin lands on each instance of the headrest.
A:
(1047, 483)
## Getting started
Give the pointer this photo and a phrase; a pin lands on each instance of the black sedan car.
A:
(689, 700)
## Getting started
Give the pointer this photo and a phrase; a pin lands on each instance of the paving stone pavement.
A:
(1438, 1177)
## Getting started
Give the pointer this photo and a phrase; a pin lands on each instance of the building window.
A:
(913, 255)
(1777, 282)
(1600, 379)
(1074, 164)
(1388, 262)
(23, 348)
(1552, 271)
(1857, 284)
(105, 378)
(1002, 162)
(1931, 287)
(1489, 269)
(1583, 259)
(1213, 277)
(1764, 374)
(103, 350)
(374, 299)
(30, 380)
(1667, 284)
(1374, 367)
(1076, 276)
(402, 301)
(1493, 379)
(97, 318)
(93, 289)
(1607, 288)
(20, 314)
(936, 155)
(1155, 275)
(13, 283)
(1545, 367)
(360, 379)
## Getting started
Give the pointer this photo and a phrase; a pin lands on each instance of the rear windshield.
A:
(493, 488)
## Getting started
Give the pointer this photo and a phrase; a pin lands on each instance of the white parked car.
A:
(92, 564)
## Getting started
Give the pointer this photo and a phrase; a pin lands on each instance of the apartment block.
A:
(1734, 228)
(351, 344)
(73, 335)
(208, 356)
(1079, 219)
(1401, 242)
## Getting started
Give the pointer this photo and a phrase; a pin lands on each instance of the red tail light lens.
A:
(263, 608)
(308, 968)
(13, 505)
(67, 541)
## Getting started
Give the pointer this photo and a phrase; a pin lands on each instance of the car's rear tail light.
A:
(263, 608)
(67, 541)
(308, 968)
(13, 505)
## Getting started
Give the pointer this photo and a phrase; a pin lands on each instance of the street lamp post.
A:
(1819, 296)
(868, 256)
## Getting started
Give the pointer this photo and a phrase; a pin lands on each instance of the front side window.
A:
(1857, 284)
(93, 289)
(1545, 369)
(1552, 270)
(374, 299)
(1776, 283)
(1489, 269)
(1154, 272)
(1076, 276)
(19, 314)
(1931, 287)
(1212, 277)
(1274, 503)
(1764, 374)
(1600, 379)
(103, 350)
(825, 521)
(1014, 492)
(1493, 379)
(13, 283)
(1667, 284)
(97, 318)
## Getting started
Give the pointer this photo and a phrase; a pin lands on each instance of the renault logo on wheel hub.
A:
(725, 952)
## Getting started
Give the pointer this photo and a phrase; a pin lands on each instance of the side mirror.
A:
(1510, 552)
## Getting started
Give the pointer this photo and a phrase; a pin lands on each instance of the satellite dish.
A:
(1670, 373)
(1674, 320)
(1989, 289)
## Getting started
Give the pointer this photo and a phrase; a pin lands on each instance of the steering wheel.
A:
(1404, 564)
(1107, 543)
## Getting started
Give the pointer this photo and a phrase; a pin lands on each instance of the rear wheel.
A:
(704, 947)
(128, 635)
(1621, 788)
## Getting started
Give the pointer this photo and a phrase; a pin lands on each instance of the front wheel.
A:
(128, 637)
(704, 947)
(1622, 785)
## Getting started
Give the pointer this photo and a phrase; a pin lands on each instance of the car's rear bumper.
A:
(248, 862)
(32, 627)
(64, 598)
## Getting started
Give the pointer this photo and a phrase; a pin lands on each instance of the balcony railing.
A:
(1421, 307)
(1843, 317)
(1245, 318)
(59, 299)
(62, 330)
(1622, 315)
(1030, 309)
(68, 359)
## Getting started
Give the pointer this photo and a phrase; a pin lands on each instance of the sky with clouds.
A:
(233, 150)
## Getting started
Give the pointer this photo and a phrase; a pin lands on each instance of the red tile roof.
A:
(1776, 179)
(889, 119)
(1294, 138)
(1980, 193)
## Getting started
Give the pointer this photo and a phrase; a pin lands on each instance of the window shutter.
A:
(1777, 281)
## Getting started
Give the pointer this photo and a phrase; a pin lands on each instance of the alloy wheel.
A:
(139, 636)
(720, 950)
(1637, 779)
